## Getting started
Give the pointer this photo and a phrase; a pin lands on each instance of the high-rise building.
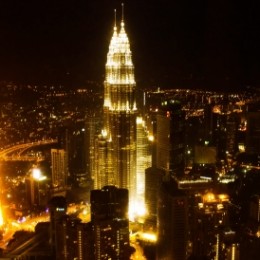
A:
(153, 181)
(109, 216)
(118, 139)
(172, 223)
(36, 191)
(253, 129)
(143, 162)
(59, 169)
(85, 241)
(77, 153)
(171, 138)
(210, 218)
(57, 207)
(75, 239)
(93, 125)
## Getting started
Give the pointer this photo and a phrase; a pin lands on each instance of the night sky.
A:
(177, 43)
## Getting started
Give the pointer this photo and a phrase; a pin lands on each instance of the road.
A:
(15, 153)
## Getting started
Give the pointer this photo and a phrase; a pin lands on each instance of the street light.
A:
(36, 178)
(37, 175)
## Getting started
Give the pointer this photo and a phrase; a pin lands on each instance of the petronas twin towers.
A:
(116, 162)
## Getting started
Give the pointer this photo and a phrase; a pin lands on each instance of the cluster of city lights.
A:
(1, 217)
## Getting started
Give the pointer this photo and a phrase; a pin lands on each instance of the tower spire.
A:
(115, 19)
(122, 12)
(122, 21)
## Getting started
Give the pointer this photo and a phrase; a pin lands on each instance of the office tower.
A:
(37, 190)
(211, 217)
(153, 175)
(168, 129)
(153, 181)
(172, 223)
(109, 216)
(77, 153)
(57, 208)
(93, 126)
(253, 129)
(143, 161)
(85, 241)
(32, 191)
(103, 174)
(225, 131)
(194, 133)
(250, 238)
(254, 211)
(75, 239)
(118, 138)
(59, 169)
(81, 144)
(66, 232)
(171, 138)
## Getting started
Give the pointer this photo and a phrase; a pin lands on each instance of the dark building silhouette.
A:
(172, 223)
(167, 123)
(75, 239)
(153, 180)
(85, 241)
(57, 208)
(210, 219)
(109, 216)
(170, 138)
(253, 129)
(225, 124)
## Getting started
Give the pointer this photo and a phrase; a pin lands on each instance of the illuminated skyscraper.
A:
(120, 113)
(59, 170)
(143, 156)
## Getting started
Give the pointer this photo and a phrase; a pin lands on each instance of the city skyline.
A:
(175, 44)
(128, 171)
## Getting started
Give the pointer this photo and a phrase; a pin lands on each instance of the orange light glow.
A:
(152, 237)
(212, 198)
(209, 197)
(1, 217)
(136, 211)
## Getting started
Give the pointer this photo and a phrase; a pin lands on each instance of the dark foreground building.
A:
(109, 216)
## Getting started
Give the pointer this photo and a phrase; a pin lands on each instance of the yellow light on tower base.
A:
(151, 138)
(37, 175)
(149, 237)
(137, 212)
(1, 217)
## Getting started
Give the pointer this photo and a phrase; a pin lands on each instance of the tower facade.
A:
(109, 216)
(170, 152)
(59, 168)
(172, 223)
(119, 131)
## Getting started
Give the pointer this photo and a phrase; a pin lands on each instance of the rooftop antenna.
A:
(122, 22)
(115, 17)
(122, 11)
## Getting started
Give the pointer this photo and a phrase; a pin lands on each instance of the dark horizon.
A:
(207, 45)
